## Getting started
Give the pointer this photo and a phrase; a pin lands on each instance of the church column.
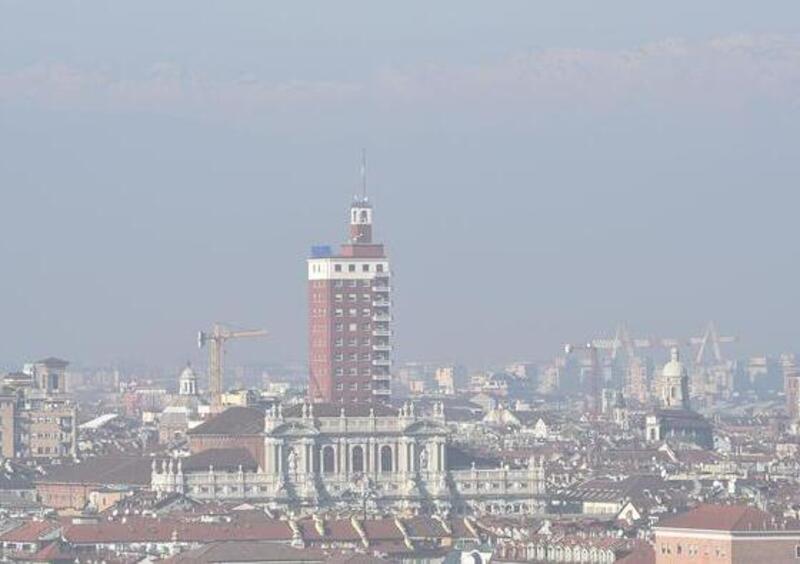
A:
(269, 457)
(401, 464)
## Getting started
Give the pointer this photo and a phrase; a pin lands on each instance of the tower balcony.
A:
(382, 347)
(381, 333)
(384, 377)
(381, 287)
(381, 303)
(382, 362)
(382, 392)
(381, 317)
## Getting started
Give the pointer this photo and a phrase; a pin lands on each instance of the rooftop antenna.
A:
(364, 174)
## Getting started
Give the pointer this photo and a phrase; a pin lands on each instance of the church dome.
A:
(674, 368)
(188, 373)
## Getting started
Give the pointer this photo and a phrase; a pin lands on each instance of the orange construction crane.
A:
(216, 339)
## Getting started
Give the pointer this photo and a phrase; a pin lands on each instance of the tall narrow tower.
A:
(349, 315)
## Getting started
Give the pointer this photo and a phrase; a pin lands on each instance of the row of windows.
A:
(354, 387)
(340, 327)
(352, 283)
(45, 419)
(62, 436)
(352, 327)
(354, 371)
(353, 312)
(353, 297)
(343, 283)
(365, 267)
(694, 550)
(352, 357)
(352, 342)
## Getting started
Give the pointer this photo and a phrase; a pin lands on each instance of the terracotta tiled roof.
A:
(335, 529)
(53, 552)
(233, 421)
(726, 518)
(353, 558)
(247, 552)
(382, 530)
(157, 530)
(424, 527)
(641, 553)
(32, 531)
(107, 470)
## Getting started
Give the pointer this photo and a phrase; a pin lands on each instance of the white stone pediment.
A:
(294, 429)
(426, 428)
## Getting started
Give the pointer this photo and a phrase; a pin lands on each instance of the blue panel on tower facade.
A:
(321, 251)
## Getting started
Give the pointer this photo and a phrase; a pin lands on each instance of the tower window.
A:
(365, 268)
(379, 267)
(351, 268)
(337, 267)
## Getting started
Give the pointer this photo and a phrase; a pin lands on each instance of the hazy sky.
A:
(540, 171)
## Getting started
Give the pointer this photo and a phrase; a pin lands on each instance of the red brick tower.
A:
(349, 316)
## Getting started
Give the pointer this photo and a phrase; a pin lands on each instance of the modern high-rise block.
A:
(350, 316)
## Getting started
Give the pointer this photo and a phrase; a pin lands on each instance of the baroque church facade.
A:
(676, 422)
(316, 456)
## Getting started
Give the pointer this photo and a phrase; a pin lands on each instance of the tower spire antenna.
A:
(363, 174)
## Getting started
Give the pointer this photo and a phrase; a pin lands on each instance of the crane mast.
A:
(216, 339)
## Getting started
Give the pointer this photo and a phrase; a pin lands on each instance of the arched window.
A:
(358, 459)
(386, 459)
(328, 460)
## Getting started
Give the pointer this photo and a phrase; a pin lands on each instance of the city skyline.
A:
(581, 171)
(555, 321)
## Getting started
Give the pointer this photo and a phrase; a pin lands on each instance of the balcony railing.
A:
(381, 362)
(381, 303)
(381, 317)
(382, 348)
